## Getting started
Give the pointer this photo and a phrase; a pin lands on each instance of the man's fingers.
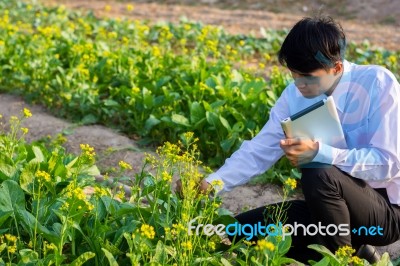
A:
(288, 142)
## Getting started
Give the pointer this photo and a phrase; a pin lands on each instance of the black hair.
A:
(313, 43)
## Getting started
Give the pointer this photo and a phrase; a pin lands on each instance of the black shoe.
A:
(368, 253)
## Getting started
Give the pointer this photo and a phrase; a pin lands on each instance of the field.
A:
(199, 87)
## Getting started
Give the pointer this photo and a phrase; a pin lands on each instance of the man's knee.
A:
(318, 179)
(316, 174)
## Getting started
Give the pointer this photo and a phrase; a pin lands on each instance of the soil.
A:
(375, 21)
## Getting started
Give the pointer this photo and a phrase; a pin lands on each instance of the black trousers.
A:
(334, 197)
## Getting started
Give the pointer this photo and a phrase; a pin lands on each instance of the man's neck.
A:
(334, 85)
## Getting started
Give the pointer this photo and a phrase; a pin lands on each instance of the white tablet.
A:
(319, 122)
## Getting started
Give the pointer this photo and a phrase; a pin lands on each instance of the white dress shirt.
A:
(367, 100)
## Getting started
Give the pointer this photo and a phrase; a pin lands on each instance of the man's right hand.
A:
(203, 188)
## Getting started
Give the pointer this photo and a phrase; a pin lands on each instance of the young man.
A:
(357, 185)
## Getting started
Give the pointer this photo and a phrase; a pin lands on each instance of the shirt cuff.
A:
(325, 154)
(216, 182)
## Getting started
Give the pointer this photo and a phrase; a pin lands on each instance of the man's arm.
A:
(257, 155)
(379, 158)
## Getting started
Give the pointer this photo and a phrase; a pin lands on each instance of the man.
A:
(361, 185)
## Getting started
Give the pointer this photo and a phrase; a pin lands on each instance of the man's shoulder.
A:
(372, 70)
(372, 74)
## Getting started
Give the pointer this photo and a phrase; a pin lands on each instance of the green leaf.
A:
(207, 106)
(7, 169)
(385, 260)
(180, 120)
(236, 76)
(325, 252)
(238, 127)
(225, 262)
(92, 171)
(110, 103)
(227, 144)
(212, 118)
(147, 98)
(27, 178)
(162, 81)
(2, 247)
(82, 259)
(29, 222)
(324, 262)
(160, 253)
(151, 122)
(28, 255)
(110, 257)
(4, 216)
(288, 261)
(225, 123)
(285, 245)
(89, 119)
(71, 163)
(217, 104)
(12, 197)
(197, 112)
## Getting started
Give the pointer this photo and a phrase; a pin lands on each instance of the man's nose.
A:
(300, 83)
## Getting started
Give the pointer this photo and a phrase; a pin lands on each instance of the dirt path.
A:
(247, 21)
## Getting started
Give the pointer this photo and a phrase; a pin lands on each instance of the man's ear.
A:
(338, 67)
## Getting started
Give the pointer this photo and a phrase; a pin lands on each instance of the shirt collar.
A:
(342, 88)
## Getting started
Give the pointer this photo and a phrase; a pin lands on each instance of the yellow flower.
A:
(179, 228)
(112, 35)
(147, 231)
(135, 90)
(61, 139)
(12, 249)
(65, 206)
(88, 151)
(120, 194)
(217, 184)
(393, 59)
(24, 130)
(263, 245)
(156, 51)
(100, 191)
(249, 243)
(344, 251)
(166, 176)
(43, 176)
(124, 165)
(107, 8)
(357, 261)
(187, 245)
(11, 238)
(211, 245)
(290, 182)
(129, 7)
(27, 112)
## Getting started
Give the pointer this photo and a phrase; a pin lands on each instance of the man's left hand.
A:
(299, 151)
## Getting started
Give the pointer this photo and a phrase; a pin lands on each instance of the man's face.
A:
(315, 83)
